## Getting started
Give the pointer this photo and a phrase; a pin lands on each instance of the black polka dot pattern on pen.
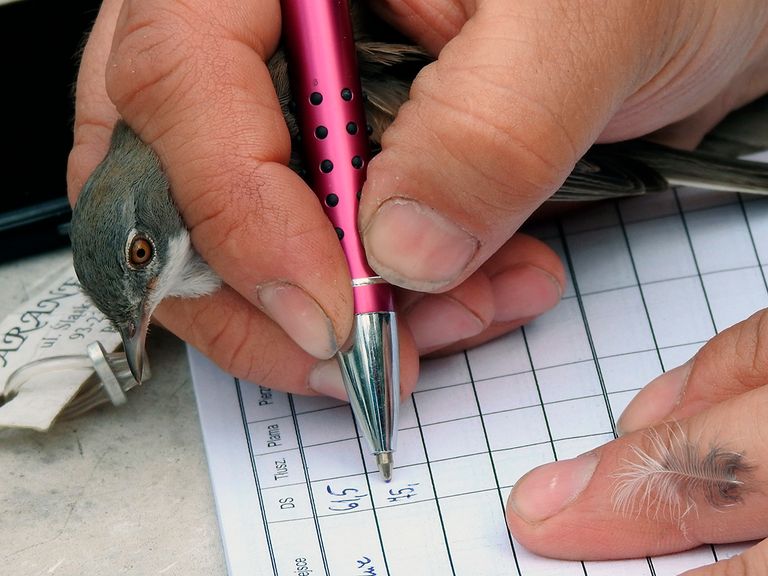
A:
(331, 200)
(321, 132)
(339, 233)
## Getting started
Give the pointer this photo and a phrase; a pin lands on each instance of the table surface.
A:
(117, 491)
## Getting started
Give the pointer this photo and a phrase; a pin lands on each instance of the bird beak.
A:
(134, 334)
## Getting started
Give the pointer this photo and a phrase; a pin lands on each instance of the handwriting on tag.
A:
(56, 320)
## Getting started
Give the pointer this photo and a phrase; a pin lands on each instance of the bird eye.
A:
(140, 251)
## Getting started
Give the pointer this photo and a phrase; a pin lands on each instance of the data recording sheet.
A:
(650, 280)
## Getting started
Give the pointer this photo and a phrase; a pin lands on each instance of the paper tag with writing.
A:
(56, 320)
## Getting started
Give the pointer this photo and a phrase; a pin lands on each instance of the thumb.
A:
(655, 491)
(495, 124)
(697, 476)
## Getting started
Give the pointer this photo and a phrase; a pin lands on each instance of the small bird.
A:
(129, 244)
(131, 248)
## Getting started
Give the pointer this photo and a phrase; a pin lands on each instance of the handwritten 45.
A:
(405, 493)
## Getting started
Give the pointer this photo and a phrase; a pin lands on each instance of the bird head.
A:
(130, 246)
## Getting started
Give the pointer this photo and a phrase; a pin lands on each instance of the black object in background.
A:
(40, 41)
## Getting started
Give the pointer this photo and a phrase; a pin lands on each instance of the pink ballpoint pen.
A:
(330, 110)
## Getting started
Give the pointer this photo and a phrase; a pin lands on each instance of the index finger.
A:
(732, 363)
(191, 79)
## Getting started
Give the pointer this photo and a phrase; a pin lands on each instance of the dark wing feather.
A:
(698, 169)
(388, 64)
(743, 131)
(603, 173)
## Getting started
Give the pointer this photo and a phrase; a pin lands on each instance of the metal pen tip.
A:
(385, 464)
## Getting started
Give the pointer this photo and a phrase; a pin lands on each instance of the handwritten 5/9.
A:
(349, 498)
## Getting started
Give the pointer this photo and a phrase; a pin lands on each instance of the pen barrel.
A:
(330, 112)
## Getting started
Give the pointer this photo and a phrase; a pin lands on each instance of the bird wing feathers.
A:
(388, 64)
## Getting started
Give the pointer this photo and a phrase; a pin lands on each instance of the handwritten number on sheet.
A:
(361, 565)
(402, 494)
(347, 499)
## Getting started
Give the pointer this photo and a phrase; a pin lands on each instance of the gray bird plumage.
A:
(121, 196)
(128, 196)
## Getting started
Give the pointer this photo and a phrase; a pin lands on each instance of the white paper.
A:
(56, 320)
(297, 493)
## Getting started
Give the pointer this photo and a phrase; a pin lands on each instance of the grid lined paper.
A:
(650, 281)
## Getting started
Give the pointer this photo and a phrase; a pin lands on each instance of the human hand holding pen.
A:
(572, 78)
(197, 90)
(518, 93)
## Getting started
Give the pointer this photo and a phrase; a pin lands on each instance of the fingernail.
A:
(436, 321)
(300, 316)
(654, 402)
(524, 291)
(548, 489)
(415, 247)
(325, 378)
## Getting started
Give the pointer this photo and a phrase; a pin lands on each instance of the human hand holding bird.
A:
(491, 129)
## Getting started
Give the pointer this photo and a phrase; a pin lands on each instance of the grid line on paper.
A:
(585, 320)
(434, 488)
(470, 417)
(517, 373)
(249, 442)
(752, 240)
(438, 460)
(490, 457)
(573, 362)
(373, 504)
(603, 357)
(684, 220)
(314, 411)
(642, 219)
(652, 282)
(312, 505)
(394, 505)
(538, 392)
(640, 289)
(569, 263)
(703, 288)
